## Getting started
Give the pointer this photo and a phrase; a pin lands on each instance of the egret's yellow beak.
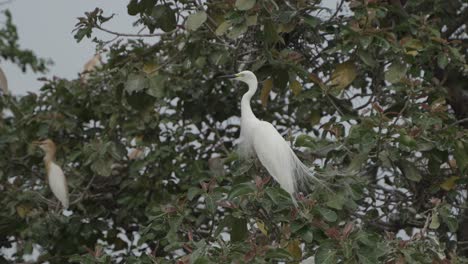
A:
(231, 76)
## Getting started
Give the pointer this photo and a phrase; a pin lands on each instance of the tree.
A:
(375, 94)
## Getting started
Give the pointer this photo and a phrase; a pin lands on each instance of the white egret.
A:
(55, 176)
(261, 138)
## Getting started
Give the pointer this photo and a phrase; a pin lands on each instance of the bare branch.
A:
(159, 34)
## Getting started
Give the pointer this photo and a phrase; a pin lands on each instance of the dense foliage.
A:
(372, 97)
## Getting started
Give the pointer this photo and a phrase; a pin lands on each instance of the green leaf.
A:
(202, 260)
(410, 171)
(102, 167)
(239, 229)
(452, 223)
(81, 33)
(241, 167)
(312, 21)
(223, 28)
(211, 205)
(156, 86)
(343, 75)
(367, 58)
(245, 4)
(278, 253)
(135, 83)
(337, 201)
(435, 222)
(294, 249)
(308, 236)
(395, 72)
(251, 20)
(407, 141)
(325, 255)
(277, 195)
(295, 87)
(365, 41)
(461, 155)
(133, 8)
(327, 214)
(237, 30)
(195, 20)
(270, 34)
(192, 192)
(165, 17)
(442, 60)
(241, 189)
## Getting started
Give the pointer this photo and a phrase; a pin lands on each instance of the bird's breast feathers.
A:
(58, 183)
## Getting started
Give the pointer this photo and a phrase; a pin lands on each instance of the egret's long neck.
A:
(49, 157)
(246, 110)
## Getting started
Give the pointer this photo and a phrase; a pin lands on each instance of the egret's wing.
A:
(58, 184)
(275, 155)
(279, 159)
(244, 148)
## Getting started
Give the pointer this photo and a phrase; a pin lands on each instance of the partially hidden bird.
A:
(55, 175)
(260, 138)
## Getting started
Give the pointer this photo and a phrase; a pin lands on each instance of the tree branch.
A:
(134, 35)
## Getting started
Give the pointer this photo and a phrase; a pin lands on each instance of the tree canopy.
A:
(372, 95)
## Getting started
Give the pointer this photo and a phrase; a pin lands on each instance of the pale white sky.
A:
(45, 26)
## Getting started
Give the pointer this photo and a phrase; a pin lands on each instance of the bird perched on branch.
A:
(55, 176)
(261, 138)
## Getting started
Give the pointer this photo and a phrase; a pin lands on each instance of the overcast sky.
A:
(45, 26)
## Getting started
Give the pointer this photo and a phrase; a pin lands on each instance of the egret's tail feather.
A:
(304, 175)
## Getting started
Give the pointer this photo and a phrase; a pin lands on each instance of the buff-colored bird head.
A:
(47, 145)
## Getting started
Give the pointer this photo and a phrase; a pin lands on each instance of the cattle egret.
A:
(3, 83)
(261, 138)
(55, 176)
(90, 66)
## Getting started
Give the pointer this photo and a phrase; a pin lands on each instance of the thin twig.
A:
(459, 121)
(340, 5)
(215, 130)
(135, 35)
(333, 103)
(84, 191)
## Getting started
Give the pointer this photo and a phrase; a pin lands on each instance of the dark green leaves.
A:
(102, 156)
(327, 214)
(154, 85)
(164, 17)
(239, 229)
(157, 133)
(325, 255)
(410, 171)
(461, 155)
(442, 60)
(157, 86)
(241, 189)
(136, 7)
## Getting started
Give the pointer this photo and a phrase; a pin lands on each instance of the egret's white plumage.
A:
(58, 183)
(55, 175)
(262, 139)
